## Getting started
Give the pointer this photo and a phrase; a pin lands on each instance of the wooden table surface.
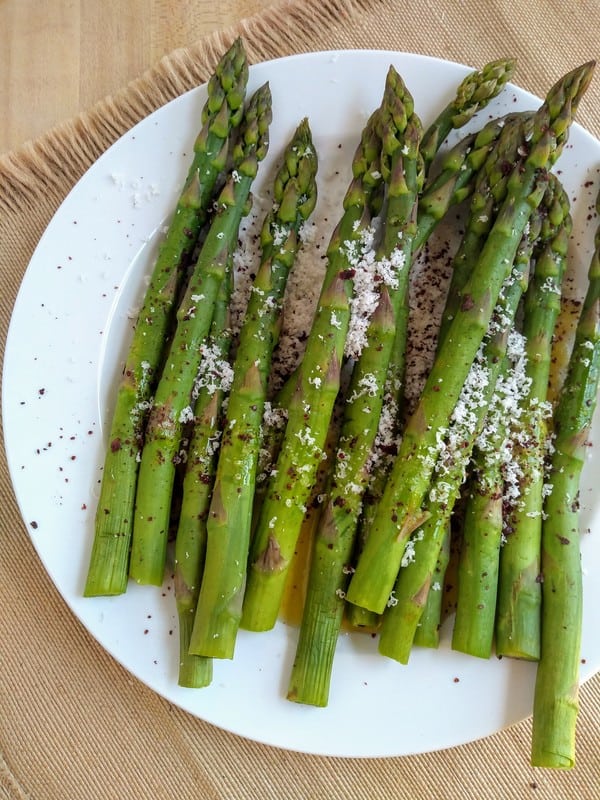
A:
(58, 57)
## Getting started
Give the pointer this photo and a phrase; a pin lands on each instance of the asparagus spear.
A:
(310, 409)
(455, 181)
(221, 115)
(482, 529)
(519, 590)
(473, 93)
(497, 471)
(555, 705)
(173, 395)
(412, 587)
(400, 131)
(490, 191)
(479, 153)
(400, 511)
(230, 518)
(212, 385)
(496, 145)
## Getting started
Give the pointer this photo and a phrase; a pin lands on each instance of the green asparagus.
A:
(519, 590)
(400, 511)
(171, 405)
(310, 409)
(427, 633)
(221, 115)
(332, 549)
(212, 384)
(555, 705)
(230, 518)
(474, 93)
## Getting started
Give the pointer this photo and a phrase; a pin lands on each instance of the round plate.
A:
(67, 338)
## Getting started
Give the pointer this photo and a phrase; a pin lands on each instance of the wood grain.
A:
(57, 57)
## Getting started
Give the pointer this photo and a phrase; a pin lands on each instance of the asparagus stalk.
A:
(400, 511)
(406, 603)
(230, 519)
(490, 191)
(483, 523)
(400, 131)
(497, 144)
(213, 382)
(555, 705)
(475, 155)
(455, 181)
(173, 395)
(310, 409)
(221, 115)
(473, 93)
(519, 590)
(498, 471)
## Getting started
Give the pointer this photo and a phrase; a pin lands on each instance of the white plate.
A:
(67, 336)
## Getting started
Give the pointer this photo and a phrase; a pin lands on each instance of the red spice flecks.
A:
(467, 303)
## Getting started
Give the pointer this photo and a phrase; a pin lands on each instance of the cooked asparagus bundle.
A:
(400, 131)
(171, 407)
(236, 536)
(311, 406)
(400, 511)
(221, 115)
(414, 581)
(555, 705)
(230, 517)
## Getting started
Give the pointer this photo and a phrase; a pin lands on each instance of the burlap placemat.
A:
(73, 723)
